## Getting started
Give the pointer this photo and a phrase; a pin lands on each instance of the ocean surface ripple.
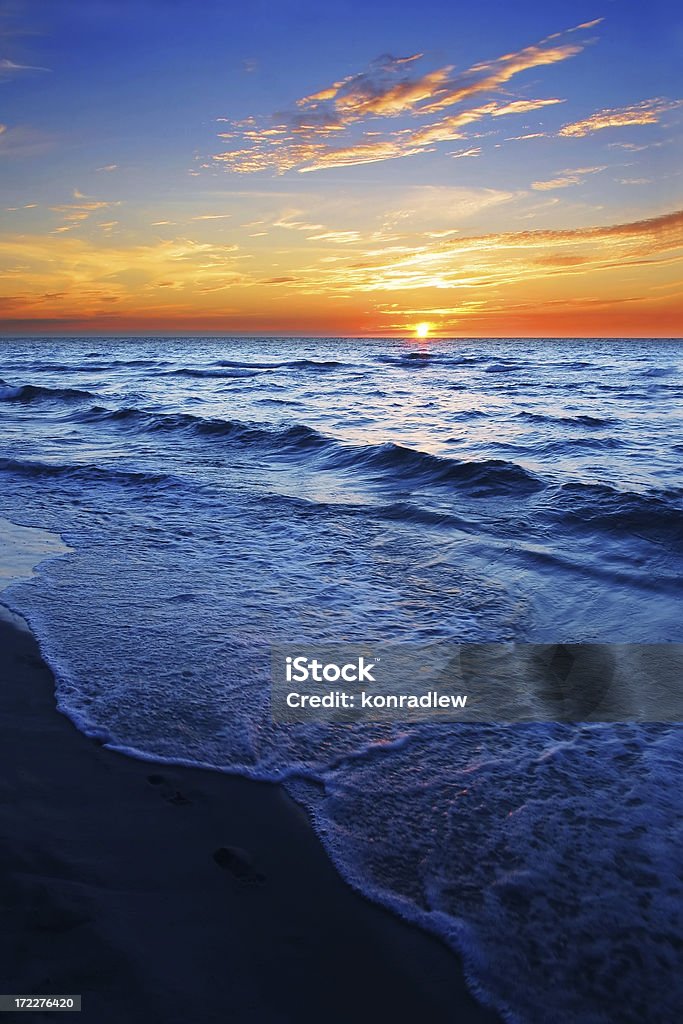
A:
(222, 494)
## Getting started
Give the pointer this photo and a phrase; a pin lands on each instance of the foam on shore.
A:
(23, 548)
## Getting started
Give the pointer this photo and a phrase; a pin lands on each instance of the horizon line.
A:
(347, 337)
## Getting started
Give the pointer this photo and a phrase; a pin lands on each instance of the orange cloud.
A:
(566, 178)
(361, 153)
(410, 142)
(406, 142)
(524, 106)
(500, 71)
(647, 112)
(376, 92)
(388, 89)
(79, 275)
(403, 96)
(81, 210)
(509, 258)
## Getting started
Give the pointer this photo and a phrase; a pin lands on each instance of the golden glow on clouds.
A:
(566, 178)
(300, 140)
(647, 112)
(80, 210)
(73, 277)
(500, 72)
(501, 259)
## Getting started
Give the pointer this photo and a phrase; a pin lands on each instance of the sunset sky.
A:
(195, 166)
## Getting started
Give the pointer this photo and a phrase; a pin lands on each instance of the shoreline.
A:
(164, 894)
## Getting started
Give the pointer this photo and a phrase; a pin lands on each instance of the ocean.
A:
(220, 495)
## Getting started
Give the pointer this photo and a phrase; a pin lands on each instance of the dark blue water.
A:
(222, 494)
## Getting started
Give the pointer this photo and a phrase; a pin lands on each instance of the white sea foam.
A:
(23, 548)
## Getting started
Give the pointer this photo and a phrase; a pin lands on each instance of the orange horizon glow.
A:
(558, 283)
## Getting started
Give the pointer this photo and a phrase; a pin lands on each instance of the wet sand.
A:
(171, 895)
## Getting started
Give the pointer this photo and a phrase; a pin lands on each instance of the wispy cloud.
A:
(529, 135)
(566, 178)
(490, 77)
(482, 261)
(524, 106)
(647, 112)
(360, 108)
(316, 156)
(343, 237)
(473, 151)
(22, 141)
(376, 92)
(66, 275)
(289, 222)
(553, 183)
(81, 210)
(10, 67)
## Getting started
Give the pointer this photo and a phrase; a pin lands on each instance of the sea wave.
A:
(488, 476)
(39, 392)
(398, 463)
(581, 420)
(83, 367)
(655, 515)
(424, 357)
(237, 368)
(83, 471)
(297, 436)
(202, 373)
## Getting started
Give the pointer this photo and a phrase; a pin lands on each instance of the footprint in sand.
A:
(171, 795)
(239, 864)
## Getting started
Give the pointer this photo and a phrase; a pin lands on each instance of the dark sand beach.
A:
(170, 895)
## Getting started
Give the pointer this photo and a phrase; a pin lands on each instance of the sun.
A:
(422, 330)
